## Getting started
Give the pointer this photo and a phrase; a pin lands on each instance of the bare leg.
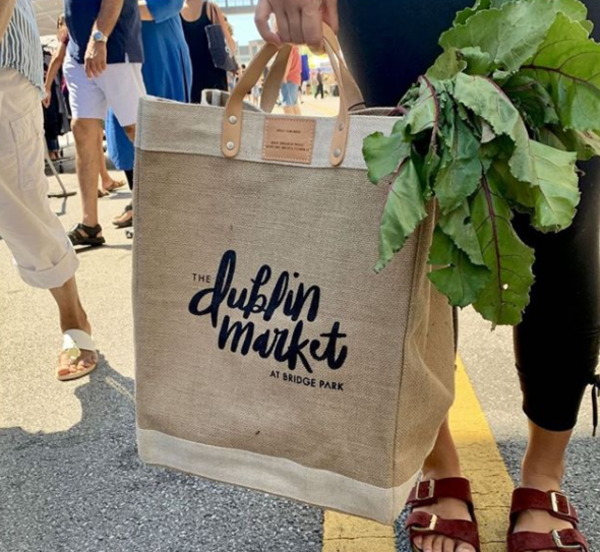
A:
(127, 215)
(130, 131)
(73, 317)
(105, 178)
(88, 143)
(543, 468)
(443, 462)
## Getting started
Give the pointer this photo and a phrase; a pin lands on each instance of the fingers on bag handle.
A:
(262, 16)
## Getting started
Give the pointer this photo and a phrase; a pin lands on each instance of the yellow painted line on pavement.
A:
(482, 464)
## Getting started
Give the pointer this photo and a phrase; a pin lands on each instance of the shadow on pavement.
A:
(86, 490)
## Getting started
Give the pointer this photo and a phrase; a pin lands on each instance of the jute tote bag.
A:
(268, 352)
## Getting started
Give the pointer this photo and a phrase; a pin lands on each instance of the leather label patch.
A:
(289, 139)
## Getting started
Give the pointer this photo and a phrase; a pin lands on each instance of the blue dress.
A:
(167, 71)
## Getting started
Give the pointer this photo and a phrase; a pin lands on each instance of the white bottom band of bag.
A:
(275, 475)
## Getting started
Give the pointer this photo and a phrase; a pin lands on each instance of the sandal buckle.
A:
(558, 500)
(430, 492)
(559, 543)
(431, 527)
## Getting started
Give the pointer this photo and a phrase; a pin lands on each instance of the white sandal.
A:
(74, 342)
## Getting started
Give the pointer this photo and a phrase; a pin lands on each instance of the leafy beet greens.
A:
(495, 127)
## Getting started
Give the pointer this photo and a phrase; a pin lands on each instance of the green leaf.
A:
(520, 194)
(460, 173)
(555, 187)
(457, 226)
(568, 65)
(532, 100)
(384, 154)
(504, 298)
(549, 170)
(403, 212)
(447, 65)
(460, 280)
(464, 15)
(573, 9)
(477, 61)
(585, 144)
(511, 34)
(423, 114)
(488, 101)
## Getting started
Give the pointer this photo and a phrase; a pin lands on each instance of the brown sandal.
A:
(423, 524)
(558, 506)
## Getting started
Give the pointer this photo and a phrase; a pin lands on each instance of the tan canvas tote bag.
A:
(268, 352)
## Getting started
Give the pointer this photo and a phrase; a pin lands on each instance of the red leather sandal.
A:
(558, 506)
(423, 524)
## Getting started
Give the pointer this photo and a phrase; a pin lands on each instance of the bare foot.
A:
(539, 521)
(73, 368)
(70, 368)
(112, 185)
(446, 508)
(123, 219)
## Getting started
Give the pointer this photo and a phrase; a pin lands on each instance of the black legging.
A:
(388, 45)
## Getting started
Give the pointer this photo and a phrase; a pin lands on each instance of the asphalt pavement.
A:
(70, 478)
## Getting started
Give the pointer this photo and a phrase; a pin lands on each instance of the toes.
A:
(448, 545)
(438, 543)
(428, 543)
(464, 547)
(418, 542)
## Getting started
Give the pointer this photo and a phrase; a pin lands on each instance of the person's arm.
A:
(298, 21)
(159, 10)
(95, 56)
(6, 11)
(56, 63)
(145, 13)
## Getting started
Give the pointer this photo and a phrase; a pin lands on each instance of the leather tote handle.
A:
(233, 117)
(273, 81)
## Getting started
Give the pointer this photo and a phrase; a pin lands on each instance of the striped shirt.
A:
(21, 48)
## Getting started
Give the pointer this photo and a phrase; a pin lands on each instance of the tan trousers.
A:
(39, 244)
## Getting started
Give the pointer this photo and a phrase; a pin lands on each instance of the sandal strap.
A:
(567, 540)
(429, 491)
(74, 341)
(424, 524)
(91, 231)
(555, 503)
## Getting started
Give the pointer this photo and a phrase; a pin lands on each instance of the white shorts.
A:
(40, 246)
(120, 87)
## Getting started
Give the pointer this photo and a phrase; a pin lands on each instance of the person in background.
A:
(305, 76)
(41, 249)
(53, 94)
(103, 69)
(167, 73)
(56, 120)
(291, 83)
(319, 89)
(195, 19)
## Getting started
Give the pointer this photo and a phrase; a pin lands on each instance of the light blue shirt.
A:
(21, 48)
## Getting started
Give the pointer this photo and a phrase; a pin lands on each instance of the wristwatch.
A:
(99, 36)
